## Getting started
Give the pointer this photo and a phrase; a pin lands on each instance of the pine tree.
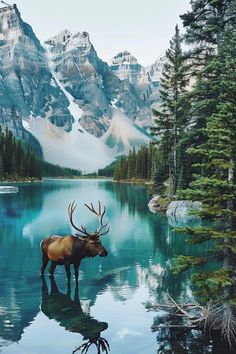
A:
(131, 164)
(171, 119)
(140, 164)
(211, 27)
(205, 26)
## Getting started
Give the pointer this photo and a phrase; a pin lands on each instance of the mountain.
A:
(145, 81)
(92, 83)
(126, 67)
(71, 106)
(123, 134)
(26, 85)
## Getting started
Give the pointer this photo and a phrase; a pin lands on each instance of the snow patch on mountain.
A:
(76, 149)
(123, 135)
(65, 96)
(74, 109)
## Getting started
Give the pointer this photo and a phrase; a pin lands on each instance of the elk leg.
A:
(67, 267)
(52, 268)
(44, 263)
(76, 269)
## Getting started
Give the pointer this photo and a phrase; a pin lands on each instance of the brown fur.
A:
(69, 250)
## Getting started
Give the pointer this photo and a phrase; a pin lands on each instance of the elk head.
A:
(92, 241)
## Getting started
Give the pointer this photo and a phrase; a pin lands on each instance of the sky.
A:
(143, 27)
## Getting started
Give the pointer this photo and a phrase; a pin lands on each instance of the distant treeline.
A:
(139, 164)
(50, 170)
(109, 170)
(18, 161)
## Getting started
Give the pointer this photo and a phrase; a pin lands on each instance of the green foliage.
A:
(109, 170)
(213, 284)
(139, 164)
(171, 120)
(211, 141)
(183, 263)
(51, 170)
(17, 160)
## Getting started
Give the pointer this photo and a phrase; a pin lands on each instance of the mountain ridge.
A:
(64, 82)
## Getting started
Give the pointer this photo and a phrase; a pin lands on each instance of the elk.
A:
(71, 249)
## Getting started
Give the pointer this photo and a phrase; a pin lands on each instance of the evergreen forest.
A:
(19, 162)
(194, 139)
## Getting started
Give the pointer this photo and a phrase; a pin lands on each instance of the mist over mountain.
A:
(71, 106)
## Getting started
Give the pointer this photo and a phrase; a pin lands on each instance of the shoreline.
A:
(32, 180)
(26, 180)
(134, 181)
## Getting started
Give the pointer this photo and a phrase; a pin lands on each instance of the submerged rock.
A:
(182, 208)
(181, 212)
(158, 204)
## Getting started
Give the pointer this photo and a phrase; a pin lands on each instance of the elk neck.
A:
(80, 247)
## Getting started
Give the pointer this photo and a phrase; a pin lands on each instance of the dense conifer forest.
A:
(19, 162)
(195, 149)
(138, 165)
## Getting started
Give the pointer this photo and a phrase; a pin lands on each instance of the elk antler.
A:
(100, 215)
(71, 209)
(83, 230)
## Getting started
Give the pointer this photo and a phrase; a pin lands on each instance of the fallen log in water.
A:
(191, 315)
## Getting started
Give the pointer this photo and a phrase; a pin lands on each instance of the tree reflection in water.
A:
(69, 314)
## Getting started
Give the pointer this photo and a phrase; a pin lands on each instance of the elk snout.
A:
(103, 253)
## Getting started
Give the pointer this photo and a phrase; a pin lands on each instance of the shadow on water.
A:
(68, 312)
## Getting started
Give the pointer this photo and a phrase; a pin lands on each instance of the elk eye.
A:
(91, 242)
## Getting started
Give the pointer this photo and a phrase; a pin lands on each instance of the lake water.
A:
(45, 317)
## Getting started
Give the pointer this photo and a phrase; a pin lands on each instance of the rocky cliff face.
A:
(26, 84)
(144, 81)
(87, 78)
(93, 84)
(61, 97)
(126, 67)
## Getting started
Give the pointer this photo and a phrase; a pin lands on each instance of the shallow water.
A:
(44, 317)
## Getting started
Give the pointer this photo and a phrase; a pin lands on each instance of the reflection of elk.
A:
(69, 314)
(70, 249)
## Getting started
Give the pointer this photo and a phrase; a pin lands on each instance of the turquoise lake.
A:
(45, 317)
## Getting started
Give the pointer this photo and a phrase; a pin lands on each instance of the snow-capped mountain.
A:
(93, 84)
(126, 67)
(145, 81)
(27, 87)
(63, 99)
